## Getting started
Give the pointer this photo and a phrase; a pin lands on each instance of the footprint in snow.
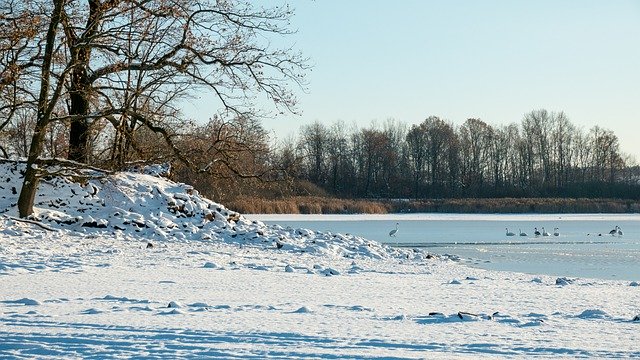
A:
(504, 318)
(440, 318)
(562, 281)
(350, 308)
(198, 307)
(140, 308)
(461, 316)
(533, 323)
(91, 311)
(23, 301)
(172, 312)
(260, 268)
(302, 310)
(122, 299)
(57, 301)
(251, 307)
(594, 314)
(400, 317)
(329, 272)
(174, 305)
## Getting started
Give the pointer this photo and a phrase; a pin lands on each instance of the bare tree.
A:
(338, 158)
(132, 63)
(223, 157)
(314, 142)
(475, 139)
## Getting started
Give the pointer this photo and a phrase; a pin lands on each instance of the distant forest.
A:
(545, 155)
(229, 159)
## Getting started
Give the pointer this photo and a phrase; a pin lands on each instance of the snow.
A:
(218, 285)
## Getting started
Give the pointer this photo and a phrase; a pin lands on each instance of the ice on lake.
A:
(584, 247)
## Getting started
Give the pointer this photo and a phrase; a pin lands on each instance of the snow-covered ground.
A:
(87, 284)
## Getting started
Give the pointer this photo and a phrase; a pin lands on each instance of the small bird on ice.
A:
(394, 231)
(616, 231)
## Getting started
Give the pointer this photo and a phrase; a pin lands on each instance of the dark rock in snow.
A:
(95, 224)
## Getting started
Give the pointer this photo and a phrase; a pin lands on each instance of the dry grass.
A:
(520, 205)
(328, 205)
(308, 205)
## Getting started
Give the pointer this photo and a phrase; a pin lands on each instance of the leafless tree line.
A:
(544, 155)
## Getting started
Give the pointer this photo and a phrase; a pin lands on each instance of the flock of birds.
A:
(536, 232)
(556, 232)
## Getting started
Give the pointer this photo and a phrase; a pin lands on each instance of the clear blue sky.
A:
(494, 60)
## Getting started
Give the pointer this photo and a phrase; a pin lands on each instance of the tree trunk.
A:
(30, 183)
(80, 87)
(79, 131)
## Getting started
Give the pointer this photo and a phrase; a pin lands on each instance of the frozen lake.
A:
(583, 249)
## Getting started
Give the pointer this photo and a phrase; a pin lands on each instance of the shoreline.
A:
(446, 217)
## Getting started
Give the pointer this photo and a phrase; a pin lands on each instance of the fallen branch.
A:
(31, 222)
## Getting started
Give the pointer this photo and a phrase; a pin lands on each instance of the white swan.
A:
(556, 232)
(544, 232)
(522, 233)
(509, 233)
(394, 231)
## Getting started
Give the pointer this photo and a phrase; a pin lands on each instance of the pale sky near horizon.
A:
(493, 59)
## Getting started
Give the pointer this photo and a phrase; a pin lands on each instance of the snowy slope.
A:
(216, 285)
(159, 210)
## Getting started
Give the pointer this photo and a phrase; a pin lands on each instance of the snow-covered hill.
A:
(156, 209)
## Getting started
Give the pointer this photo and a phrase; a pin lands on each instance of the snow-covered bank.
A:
(149, 207)
(218, 285)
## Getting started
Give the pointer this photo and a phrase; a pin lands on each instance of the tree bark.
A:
(30, 183)
(80, 87)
